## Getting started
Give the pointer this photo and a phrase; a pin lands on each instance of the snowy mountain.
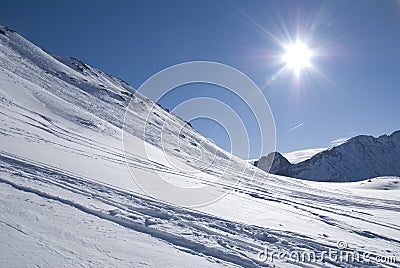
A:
(68, 199)
(359, 158)
(273, 161)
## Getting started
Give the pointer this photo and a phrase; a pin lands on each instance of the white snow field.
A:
(67, 198)
(301, 155)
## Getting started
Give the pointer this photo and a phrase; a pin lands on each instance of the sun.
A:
(297, 56)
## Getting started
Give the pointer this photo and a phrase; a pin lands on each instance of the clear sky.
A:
(351, 88)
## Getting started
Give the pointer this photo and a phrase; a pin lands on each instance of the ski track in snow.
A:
(188, 230)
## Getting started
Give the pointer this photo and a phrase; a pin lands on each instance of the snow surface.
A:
(67, 197)
(302, 155)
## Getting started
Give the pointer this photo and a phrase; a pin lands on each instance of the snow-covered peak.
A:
(272, 163)
(75, 91)
(359, 158)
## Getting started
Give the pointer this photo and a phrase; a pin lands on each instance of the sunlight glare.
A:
(297, 56)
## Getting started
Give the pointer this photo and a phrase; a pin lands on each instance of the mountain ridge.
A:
(359, 158)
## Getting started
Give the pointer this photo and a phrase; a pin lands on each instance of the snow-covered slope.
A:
(359, 158)
(67, 197)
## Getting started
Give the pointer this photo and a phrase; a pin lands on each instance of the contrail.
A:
(290, 130)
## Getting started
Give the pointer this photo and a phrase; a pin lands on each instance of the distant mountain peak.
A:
(361, 157)
(274, 162)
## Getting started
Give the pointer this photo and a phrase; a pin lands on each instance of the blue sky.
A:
(353, 87)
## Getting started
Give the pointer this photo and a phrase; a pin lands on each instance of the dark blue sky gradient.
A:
(354, 88)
